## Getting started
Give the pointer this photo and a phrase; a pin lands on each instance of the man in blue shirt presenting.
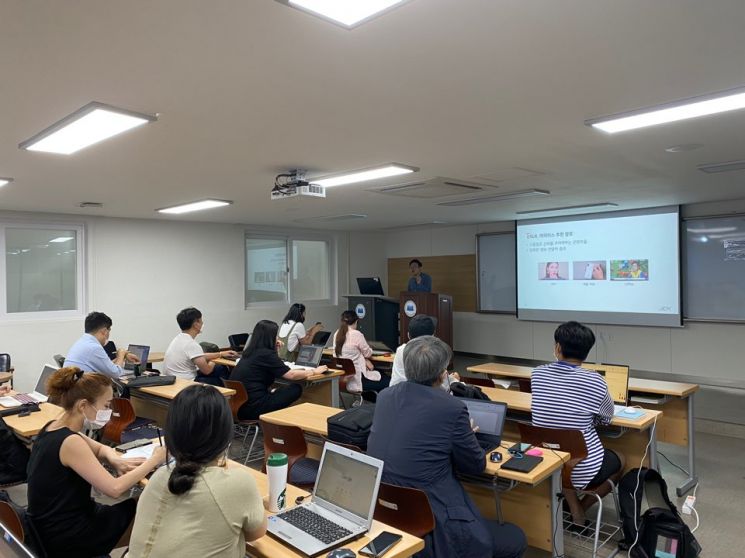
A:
(419, 281)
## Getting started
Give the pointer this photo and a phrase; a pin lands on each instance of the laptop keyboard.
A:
(315, 525)
(24, 398)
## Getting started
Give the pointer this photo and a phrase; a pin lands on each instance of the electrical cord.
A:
(673, 463)
(638, 480)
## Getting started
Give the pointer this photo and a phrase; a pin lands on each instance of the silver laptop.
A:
(41, 385)
(142, 352)
(342, 506)
(10, 546)
(308, 356)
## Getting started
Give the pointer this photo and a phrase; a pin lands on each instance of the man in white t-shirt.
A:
(185, 358)
(419, 325)
(292, 332)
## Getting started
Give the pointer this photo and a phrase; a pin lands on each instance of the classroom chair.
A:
(125, 426)
(240, 425)
(358, 397)
(404, 508)
(237, 341)
(10, 519)
(290, 440)
(348, 446)
(524, 385)
(6, 370)
(481, 382)
(572, 442)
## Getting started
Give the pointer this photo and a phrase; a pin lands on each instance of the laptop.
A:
(342, 506)
(140, 351)
(489, 417)
(309, 356)
(370, 286)
(379, 348)
(321, 338)
(41, 385)
(617, 378)
(10, 546)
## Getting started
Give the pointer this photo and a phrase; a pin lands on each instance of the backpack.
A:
(351, 426)
(13, 456)
(283, 351)
(468, 391)
(661, 531)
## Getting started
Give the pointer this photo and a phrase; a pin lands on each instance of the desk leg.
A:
(335, 393)
(653, 461)
(557, 515)
(692, 479)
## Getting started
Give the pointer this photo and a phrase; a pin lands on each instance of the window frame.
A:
(288, 240)
(80, 275)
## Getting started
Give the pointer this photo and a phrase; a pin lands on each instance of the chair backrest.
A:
(239, 398)
(238, 341)
(10, 519)
(348, 446)
(59, 359)
(344, 364)
(524, 385)
(569, 441)
(404, 508)
(4, 362)
(283, 439)
(123, 414)
(483, 382)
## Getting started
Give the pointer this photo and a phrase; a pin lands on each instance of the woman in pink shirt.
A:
(350, 343)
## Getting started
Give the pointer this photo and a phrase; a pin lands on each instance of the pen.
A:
(159, 438)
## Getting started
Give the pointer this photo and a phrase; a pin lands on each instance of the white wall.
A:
(141, 273)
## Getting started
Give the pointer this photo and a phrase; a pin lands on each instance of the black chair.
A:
(238, 341)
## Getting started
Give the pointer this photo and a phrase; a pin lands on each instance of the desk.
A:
(529, 501)
(382, 359)
(28, 427)
(153, 402)
(156, 357)
(676, 402)
(317, 388)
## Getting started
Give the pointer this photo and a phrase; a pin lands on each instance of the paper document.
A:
(9, 401)
(506, 384)
(143, 451)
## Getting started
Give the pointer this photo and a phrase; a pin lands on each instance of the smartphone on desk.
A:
(380, 544)
(520, 448)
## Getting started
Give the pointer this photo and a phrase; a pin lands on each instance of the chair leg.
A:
(598, 522)
(253, 442)
(616, 503)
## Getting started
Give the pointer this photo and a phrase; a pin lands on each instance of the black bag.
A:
(459, 389)
(13, 456)
(150, 381)
(660, 527)
(352, 426)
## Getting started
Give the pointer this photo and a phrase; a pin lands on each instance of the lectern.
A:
(437, 305)
(378, 317)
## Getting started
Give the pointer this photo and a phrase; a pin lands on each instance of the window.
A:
(284, 270)
(42, 270)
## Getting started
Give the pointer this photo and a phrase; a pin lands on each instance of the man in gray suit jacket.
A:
(424, 435)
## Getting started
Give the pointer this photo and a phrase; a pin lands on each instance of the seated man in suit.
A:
(424, 435)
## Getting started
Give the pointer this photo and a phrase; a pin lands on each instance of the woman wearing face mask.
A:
(64, 464)
(200, 506)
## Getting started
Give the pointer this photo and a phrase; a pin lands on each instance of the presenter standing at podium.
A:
(418, 282)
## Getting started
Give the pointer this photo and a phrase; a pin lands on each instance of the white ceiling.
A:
(249, 88)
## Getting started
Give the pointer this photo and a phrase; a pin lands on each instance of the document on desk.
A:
(144, 452)
(498, 382)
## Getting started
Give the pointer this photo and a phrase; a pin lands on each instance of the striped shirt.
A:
(572, 398)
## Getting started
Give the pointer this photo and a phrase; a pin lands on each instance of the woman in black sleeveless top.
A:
(64, 464)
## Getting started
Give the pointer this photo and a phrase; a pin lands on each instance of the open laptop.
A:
(379, 348)
(489, 417)
(142, 352)
(617, 378)
(41, 385)
(10, 546)
(321, 338)
(342, 506)
(309, 356)
(370, 285)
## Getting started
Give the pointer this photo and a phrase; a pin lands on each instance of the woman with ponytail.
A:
(64, 464)
(350, 343)
(200, 506)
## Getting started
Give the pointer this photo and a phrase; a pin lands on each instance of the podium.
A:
(437, 305)
(378, 317)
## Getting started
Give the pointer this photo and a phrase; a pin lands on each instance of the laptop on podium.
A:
(370, 286)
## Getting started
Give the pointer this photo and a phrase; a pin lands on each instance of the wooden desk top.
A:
(156, 357)
(312, 419)
(313, 378)
(520, 401)
(169, 392)
(29, 426)
(5, 377)
(379, 358)
(659, 387)
(270, 547)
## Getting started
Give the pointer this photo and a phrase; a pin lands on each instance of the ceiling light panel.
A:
(93, 123)
(729, 166)
(5, 181)
(569, 208)
(348, 13)
(499, 197)
(363, 175)
(733, 99)
(194, 206)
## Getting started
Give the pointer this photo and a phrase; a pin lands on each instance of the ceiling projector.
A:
(293, 184)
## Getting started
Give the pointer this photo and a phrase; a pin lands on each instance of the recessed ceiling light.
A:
(348, 13)
(363, 175)
(194, 206)
(88, 125)
(5, 181)
(62, 239)
(732, 99)
(684, 147)
(569, 208)
(499, 197)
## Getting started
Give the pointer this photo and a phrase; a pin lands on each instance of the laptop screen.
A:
(309, 355)
(617, 378)
(370, 285)
(41, 385)
(10, 547)
(487, 415)
(140, 351)
(348, 482)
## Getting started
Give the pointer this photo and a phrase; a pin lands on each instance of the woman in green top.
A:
(292, 333)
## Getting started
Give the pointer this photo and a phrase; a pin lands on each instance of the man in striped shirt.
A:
(569, 397)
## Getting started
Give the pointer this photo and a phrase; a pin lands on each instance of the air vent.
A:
(569, 208)
(333, 218)
(439, 187)
(499, 197)
(90, 204)
(729, 166)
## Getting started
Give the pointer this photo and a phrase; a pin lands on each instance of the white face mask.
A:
(102, 417)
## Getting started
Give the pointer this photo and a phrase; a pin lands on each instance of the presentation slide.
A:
(609, 268)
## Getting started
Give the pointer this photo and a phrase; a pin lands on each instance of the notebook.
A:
(524, 464)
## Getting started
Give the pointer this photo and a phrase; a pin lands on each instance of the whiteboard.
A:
(714, 263)
(496, 272)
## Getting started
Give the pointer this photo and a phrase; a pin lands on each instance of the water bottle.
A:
(276, 470)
